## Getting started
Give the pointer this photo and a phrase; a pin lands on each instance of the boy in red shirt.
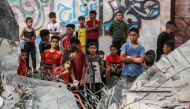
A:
(92, 30)
(22, 68)
(80, 64)
(52, 57)
(67, 36)
(113, 63)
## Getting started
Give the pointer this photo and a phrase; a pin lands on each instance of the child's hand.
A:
(27, 39)
(112, 69)
(81, 82)
(33, 39)
(75, 84)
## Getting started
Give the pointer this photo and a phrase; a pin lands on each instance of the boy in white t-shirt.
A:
(54, 26)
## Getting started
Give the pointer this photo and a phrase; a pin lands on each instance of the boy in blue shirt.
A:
(132, 54)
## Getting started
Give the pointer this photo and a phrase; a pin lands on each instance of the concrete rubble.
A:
(28, 93)
(166, 85)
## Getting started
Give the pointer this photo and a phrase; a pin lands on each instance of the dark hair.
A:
(118, 12)
(55, 37)
(171, 23)
(151, 52)
(92, 44)
(101, 52)
(28, 18)
(149, 60)
(71, 49)
(113, 46)
(74, 40)
(93, 12)
(134, 30)
(43, 33)
(81, 18)
(23, 51)
(66, 58)
(52, 14)
(170, 44)
(71, 25)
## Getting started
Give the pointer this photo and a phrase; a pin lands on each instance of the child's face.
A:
(67, 65)
(92, 16)
(113, 51)
(29, 23)
(101, 55)
(119, 17)
(133, 36)
(70, 30)
(73, 55)
(23, 56)
(46, 38)
(81, 21)
(166, 49)
(92, 49)
(53, 19)
(54, 43)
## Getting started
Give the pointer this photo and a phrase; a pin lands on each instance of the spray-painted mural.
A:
(69, 10)
(134, 11)
(148, 15)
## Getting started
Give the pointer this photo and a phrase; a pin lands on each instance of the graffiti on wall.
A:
(70, 10)
(67, 11)
(37, 9)
(134, 11)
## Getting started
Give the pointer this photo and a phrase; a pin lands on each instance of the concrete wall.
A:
(148, 15)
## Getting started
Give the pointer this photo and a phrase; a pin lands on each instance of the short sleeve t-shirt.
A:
(54, 27)
(58, 71)
(89, 73)
(79, 63)
(52, 58)
(81, 34)
(114, 61)
(94, 34)
(132, 69)
(66, 42)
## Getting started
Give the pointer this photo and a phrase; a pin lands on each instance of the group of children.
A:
(74, 56)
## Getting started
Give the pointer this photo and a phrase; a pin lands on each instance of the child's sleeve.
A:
(59, 29)
(61, 59)
(142, 51)
(124, 48)
(107, 61)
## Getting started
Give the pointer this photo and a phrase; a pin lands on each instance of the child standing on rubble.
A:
(29, 36)
(51, 58)
(22, 68)
(132, 54)
(94, 69)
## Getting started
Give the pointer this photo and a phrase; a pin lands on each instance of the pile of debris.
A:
(28, 93)
(164, 85)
